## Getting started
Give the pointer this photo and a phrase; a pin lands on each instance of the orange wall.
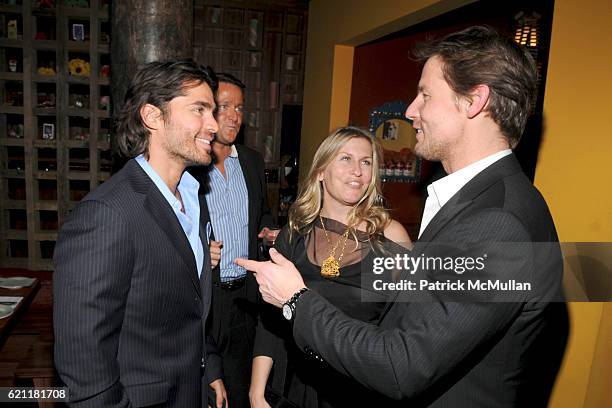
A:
(573, 173)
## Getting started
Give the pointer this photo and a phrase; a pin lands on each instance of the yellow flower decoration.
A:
(46, 71)
(79, 67)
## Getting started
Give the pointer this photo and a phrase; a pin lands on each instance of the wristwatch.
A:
(289, 306)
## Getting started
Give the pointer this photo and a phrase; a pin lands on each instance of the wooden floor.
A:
(27, 356)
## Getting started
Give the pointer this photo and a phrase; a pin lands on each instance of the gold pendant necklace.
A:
(330, 268)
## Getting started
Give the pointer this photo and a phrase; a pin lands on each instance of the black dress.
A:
(303, 380)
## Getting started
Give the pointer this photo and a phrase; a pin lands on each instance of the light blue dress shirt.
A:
(188, 187)
(228, 206)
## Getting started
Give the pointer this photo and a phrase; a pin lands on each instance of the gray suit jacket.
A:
(129, 307)
(459, 354)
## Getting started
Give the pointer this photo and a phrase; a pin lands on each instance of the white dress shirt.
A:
(441, 191)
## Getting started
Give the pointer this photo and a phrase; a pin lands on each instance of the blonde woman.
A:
(336, 222)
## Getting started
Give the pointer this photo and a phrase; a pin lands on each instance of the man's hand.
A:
(215, 253)
(278, 279)
(219, 388)
(268, 234)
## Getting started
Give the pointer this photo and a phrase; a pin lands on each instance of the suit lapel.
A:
(206, 274)
(443, 217)
(163, 215)
(482, 181)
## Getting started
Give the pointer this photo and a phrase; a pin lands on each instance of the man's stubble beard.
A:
(178, 146)
(431, 151)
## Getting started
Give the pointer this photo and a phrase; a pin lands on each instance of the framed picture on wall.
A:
(398, 139)
(78, 32)
(48, 131)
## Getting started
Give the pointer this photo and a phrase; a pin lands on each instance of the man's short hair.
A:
(481, 56)
(230, 79)
(157, 83)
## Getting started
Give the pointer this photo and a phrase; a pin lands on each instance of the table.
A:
(8, 323)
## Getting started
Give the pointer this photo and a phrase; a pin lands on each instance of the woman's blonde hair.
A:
(309, 202)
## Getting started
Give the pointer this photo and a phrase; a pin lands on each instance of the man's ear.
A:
(479, 97)
(151, 116)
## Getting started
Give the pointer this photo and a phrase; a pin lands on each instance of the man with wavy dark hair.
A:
(474, 97)
(132, 281)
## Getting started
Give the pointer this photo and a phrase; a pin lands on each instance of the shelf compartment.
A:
(16, 188)
(78, 189)
(78, 128)
(46, 248)
(47, 159)
(11, 61)
(12, 94)
(17, 248)
(45, 63)
(16, 220)
(78, 160)
(44, 27)
(47, 190)
(15, 158)
(47, 220)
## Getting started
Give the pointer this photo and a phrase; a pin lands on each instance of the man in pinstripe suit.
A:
(474, 98)
(132, 284)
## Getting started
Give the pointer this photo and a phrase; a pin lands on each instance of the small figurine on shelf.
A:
(78, 101)
(46, 100)
(12, 65)
(15, 131)
(79, 67)
(46, 71)
(11, 29)
(105, 102)
(79, 133)
(105, 71)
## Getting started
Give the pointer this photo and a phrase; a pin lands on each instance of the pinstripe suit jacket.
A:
(129, 307)
(445, 354)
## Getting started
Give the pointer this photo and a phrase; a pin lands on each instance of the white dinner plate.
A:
(5, 311)
(15, 282)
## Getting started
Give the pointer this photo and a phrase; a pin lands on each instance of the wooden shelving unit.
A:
(262, 42)
(54, 125)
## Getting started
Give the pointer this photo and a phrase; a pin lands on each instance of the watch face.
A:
(287, 312)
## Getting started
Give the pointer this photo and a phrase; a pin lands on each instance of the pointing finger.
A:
(248, 264)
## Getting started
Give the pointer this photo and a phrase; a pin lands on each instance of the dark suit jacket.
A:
(253, 167)
(129, 307)
(459, 354)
